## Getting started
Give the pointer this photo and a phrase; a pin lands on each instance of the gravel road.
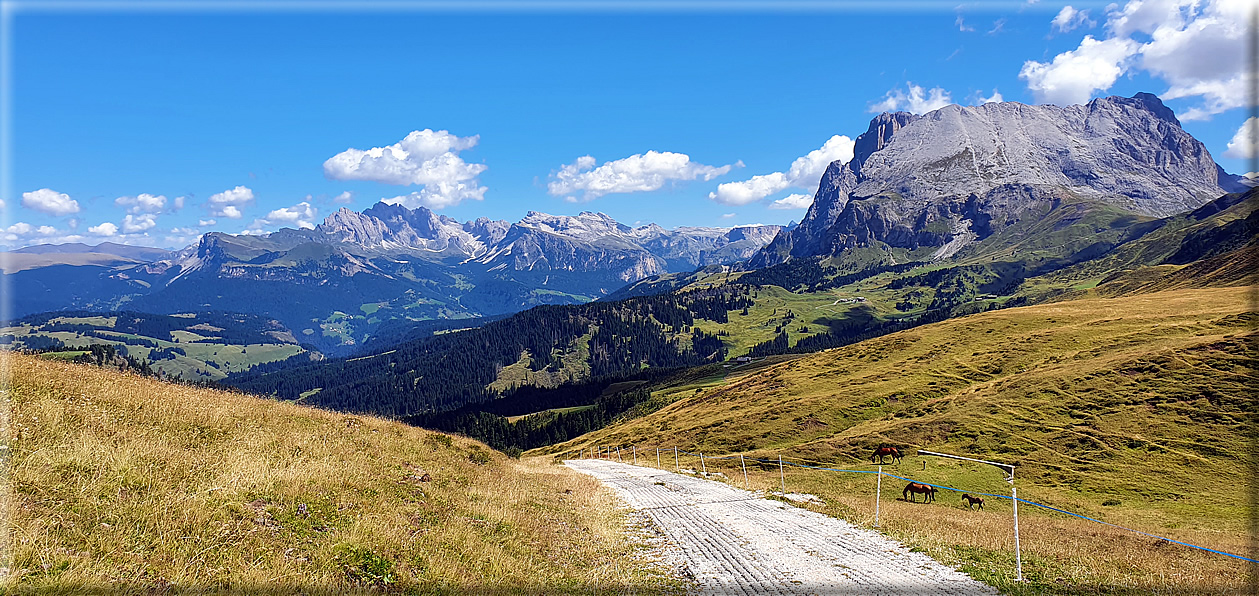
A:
(736, 543)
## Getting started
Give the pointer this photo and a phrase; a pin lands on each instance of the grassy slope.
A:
(230, 358)
(1141, 400)
(121, 483)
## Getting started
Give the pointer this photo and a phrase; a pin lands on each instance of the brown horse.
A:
(972, 501)
(913, 488)
(884, 450)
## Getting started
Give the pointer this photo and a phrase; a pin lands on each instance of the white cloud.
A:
(104, 229)
(228, 203)
(50, 201)
(2, 204)
(424, 157)
(344, 198)
(1197, 47)
(728, 215)
(1069, 19)
(636, 173)
(142, 203)
(134, 224)
(22, 229)
(916, 100)
(1073, 76)
(962, 26)
(202, 223)
(1244, 143)
(805, 172)
(793, 201)
(994, 98)
(300, 215)
(179, 202)
(185, 231)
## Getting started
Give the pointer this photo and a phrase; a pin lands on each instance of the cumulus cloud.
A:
(135, 224)
(427, 158)
(805, 172)
(228, 203)
(300, 215)
(916, 100)
(23, 231)
(994, 98)
(104, 229)
(179, 202)
(962, 26)
(344, 198)
(1073, 76)
(636, 173)
(1244, 143)
(793, 201)
(1197, 47)
(143, 203)
(1069, 19)
(202, 223)
(50, 201)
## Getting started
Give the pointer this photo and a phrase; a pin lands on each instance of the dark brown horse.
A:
(885, 451)
(913, 488)
(972, 501)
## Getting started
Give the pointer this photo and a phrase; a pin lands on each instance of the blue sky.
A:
(240, 112)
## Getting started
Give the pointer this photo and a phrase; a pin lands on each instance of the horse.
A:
(972, 501)
(885, 450)
(913, 488)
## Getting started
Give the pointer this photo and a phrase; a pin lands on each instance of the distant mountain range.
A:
(337, 283)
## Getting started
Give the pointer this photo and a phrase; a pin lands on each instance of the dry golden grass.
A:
(124, 484)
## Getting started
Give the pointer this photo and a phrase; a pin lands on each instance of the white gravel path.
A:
(737, 543)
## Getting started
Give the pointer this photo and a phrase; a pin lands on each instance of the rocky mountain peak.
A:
(996, 160)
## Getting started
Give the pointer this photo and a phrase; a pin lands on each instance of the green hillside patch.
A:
(1134, 410)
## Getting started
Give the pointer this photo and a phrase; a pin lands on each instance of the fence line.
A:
(783, 462)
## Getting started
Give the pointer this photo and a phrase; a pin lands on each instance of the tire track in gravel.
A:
(734, 542)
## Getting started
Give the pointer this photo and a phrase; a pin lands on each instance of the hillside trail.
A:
(734, 542)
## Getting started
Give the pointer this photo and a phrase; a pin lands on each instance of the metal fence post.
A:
(635, 448)
(702, 466)
(618, 453)
(782, 476)
(658, 458)
(745, 473)
(675, 459)
(1018, 554)
(878, 492)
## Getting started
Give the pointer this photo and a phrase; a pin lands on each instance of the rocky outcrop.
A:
(915, 179)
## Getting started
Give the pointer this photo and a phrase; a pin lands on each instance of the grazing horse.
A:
(884, 451)
(913, 488)
(972, 501)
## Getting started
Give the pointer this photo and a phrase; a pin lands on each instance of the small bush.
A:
(479, 457)
(514, 452)
(364, 566)
(1110, 502)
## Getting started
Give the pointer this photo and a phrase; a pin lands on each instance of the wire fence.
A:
(616, 453)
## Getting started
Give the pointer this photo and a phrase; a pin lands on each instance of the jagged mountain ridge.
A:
(948, 179)
(338, 282)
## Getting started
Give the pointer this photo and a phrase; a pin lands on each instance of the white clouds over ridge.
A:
(49, 201)
(1245, 144)
(228, 203)
(425, 157)
(637, 173)
(1197, 47)
(805, 172)
(915, 100)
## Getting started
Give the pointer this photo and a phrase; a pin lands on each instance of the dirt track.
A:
(736, 543)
